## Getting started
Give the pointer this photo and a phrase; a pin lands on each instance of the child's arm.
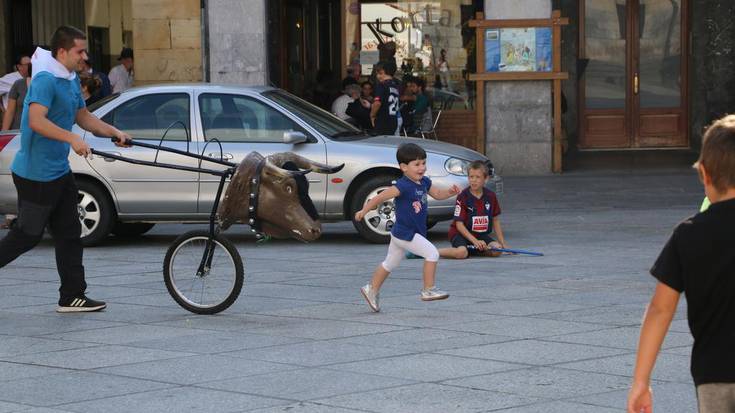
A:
(374, 111)
(462, 229)
(444, 193)
(499, 232)
(389, 193)
(656, 323)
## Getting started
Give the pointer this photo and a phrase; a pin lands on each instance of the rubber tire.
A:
(131, 229)
(239, 273)
(358, 200)
(107, 213)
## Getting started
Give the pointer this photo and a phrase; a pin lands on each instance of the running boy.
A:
(476, 216)
(698, 260)
(409, 231)
(384, 113)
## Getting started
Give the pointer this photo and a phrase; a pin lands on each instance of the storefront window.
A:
(427, 39)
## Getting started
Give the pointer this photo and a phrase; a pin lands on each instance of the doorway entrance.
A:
(633, 72)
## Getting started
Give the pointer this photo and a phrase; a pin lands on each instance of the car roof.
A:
(209, 87)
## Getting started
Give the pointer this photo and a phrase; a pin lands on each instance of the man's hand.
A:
(123, 139)
(454, 190)
(640, 398)
(80, 147)
(479, 244)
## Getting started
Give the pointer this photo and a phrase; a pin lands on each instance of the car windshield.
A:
(321, 120)
(98, 104)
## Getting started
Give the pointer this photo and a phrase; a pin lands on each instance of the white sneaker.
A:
(371, 297)
(432, 294)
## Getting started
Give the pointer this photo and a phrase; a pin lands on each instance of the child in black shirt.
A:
(698, 260)
(384, 111)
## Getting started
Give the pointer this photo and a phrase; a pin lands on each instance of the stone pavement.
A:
(519, 334)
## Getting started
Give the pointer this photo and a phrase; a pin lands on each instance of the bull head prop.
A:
(272, 196)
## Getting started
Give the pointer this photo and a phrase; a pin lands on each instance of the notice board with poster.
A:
(522, 49)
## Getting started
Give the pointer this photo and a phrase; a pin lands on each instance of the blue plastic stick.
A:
(536, 254)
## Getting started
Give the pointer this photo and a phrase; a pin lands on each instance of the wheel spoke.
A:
(86, 201)
(371, 214)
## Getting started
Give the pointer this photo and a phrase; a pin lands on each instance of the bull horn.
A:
(303, 163)
(284, 172)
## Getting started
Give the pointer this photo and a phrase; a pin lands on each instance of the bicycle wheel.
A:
(217, 288)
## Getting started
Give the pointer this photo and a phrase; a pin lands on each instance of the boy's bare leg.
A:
(379, 277)
(429, 273)
(458, 253)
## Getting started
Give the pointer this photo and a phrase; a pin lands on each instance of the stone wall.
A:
(237, 41)
(712, 64)
(167, 39)
(518, 124)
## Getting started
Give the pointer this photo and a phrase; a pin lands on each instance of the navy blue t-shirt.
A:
(411, 208)
(387, 94)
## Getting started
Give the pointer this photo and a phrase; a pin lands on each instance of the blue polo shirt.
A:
(41, 158)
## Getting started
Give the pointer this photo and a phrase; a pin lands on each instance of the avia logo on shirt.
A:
(480, 223)
(457, 210)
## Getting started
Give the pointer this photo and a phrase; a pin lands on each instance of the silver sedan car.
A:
(231, 121)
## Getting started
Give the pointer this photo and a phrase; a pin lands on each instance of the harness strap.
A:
(253, 204)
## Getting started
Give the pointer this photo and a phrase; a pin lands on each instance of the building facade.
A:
(643, 74)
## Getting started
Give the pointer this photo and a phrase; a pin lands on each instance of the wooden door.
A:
(632, 74)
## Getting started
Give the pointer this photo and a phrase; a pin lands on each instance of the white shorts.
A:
(418, 246)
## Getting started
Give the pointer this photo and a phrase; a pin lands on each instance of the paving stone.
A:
(95, 357)
(622, 337)
(13, 371)
(221, 342)
(127, 334)
(425, 339)
(667, 397)
(534, 352)
(428, 398)
(559, 407)
(14, 346)
(195, 369)
(307, 384)
(523, 327)
(317, 353)
(669, 367)
(546, 382)
(69, 387)
(426, 367)
(187, 399)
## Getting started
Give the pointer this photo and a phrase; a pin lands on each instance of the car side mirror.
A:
(294, 137)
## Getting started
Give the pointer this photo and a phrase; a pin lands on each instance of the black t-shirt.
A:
(699, 260)
(388, 95)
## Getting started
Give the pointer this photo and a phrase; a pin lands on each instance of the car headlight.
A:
(456, 166)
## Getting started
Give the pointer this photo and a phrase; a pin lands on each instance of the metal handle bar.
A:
(226, 172)
(177, 151)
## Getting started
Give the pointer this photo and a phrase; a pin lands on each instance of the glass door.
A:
(632, 74)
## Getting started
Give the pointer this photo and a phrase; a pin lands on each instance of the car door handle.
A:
(225, 156)
(110, 159)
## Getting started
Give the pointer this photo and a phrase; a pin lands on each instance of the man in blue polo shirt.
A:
(47, 193)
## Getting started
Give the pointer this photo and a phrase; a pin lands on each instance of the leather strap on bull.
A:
(253, 208)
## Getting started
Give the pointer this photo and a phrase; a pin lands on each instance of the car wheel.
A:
(131, 229)
(96, 214)
(376, 225)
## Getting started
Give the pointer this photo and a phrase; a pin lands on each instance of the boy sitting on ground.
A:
(476, 216)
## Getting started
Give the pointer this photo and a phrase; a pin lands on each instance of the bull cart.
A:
(203, 270)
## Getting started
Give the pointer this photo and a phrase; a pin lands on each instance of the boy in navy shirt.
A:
(409, 231)
(384, 113)
(699, 261)
(476, 216)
